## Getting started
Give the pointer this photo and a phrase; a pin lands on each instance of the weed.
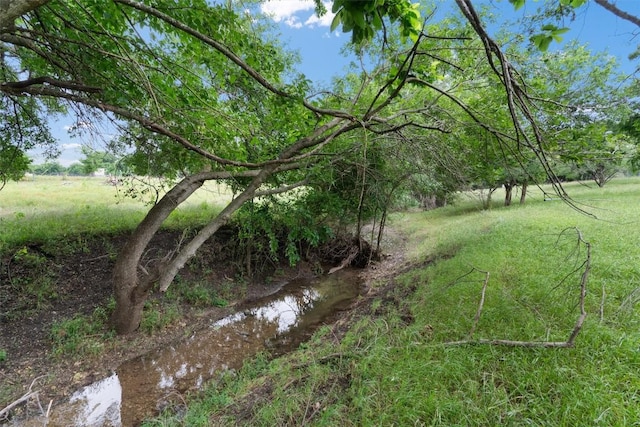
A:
(200, 295)
(81, 335)
(155, 318)
(3, 355)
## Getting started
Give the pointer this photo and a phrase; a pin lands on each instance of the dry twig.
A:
(570, 342)
(479, 312)
(30, 394)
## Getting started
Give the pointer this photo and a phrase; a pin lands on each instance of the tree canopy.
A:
(201, 91)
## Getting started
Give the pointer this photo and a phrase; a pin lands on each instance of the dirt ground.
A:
(83, 282)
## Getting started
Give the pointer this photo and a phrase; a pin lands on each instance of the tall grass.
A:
(397, 366)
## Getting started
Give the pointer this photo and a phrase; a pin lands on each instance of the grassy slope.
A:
(393, 366)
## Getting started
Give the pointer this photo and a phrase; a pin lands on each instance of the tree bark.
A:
(523, 194)
(10, 10)
(131, 286)
(171, 270)
(619, 12)
(508, 192)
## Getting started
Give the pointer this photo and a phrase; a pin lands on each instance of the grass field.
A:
(47, 207)
(397, 365)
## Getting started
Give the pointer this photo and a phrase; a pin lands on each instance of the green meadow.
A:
(53, 207)
(424, 350)
(410, 359)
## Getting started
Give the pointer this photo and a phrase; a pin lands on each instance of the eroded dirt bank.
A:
(82, 283)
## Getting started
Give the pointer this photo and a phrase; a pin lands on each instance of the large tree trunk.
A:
(508, 192)
(131, 288)
(132, 282)
(169, 272)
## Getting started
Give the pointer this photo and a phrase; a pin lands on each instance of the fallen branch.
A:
(27, 396)
(479, 312)
(5, 411)
(347, 261)
(570, 342)
(604, 296)
(511, 343)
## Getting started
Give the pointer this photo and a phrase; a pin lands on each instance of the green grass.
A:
(51, 208)
(395, 366)
(82, 335)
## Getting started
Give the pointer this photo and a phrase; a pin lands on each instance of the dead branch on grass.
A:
(476, 319)
(570, 342)
(29, 395)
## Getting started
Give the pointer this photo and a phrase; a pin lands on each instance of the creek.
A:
(140, 387)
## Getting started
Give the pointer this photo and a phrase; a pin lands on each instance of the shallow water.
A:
(141, 386)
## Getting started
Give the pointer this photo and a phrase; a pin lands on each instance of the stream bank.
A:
(82, 275)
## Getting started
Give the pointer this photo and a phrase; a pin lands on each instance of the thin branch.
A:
(619, 12)
(27, 396)
(18, 85)
(230, 55)
(282, 189)
(569, 343)
(481, 304)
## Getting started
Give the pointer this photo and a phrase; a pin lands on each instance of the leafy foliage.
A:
(364, 18)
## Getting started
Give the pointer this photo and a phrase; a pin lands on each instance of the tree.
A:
(203, 92)
(168, 90)
(76, 169)
(48, 168)
(94, 160)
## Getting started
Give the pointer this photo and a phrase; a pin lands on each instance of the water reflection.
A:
(141, 385)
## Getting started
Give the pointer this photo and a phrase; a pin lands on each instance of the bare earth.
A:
(84, 283)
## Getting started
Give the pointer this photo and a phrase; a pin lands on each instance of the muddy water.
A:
(139, 387)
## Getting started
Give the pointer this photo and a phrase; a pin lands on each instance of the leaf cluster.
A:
(364, 18)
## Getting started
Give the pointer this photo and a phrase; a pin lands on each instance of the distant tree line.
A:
(91, 162)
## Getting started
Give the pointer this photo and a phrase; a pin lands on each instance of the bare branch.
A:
(481, 304)
(282, 189)
(619, 12)
(53, 82)
(570, 342)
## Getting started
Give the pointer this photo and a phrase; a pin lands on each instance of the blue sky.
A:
(320, 49)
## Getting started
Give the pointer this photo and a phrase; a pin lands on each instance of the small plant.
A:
(156, 318)
(200, 295)
(3, 355)
(34, 280)
(80, 335)
(28, 258)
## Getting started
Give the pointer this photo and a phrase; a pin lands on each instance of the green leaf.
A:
(358, 18)
(517, 4)
(336, 20)
(541, 41)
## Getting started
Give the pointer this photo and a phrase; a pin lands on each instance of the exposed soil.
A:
(79, 278)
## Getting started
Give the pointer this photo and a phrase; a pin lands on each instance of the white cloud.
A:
(297, 13)
(322, 21)
(328, 35)
(70, 146)
(79, 125)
